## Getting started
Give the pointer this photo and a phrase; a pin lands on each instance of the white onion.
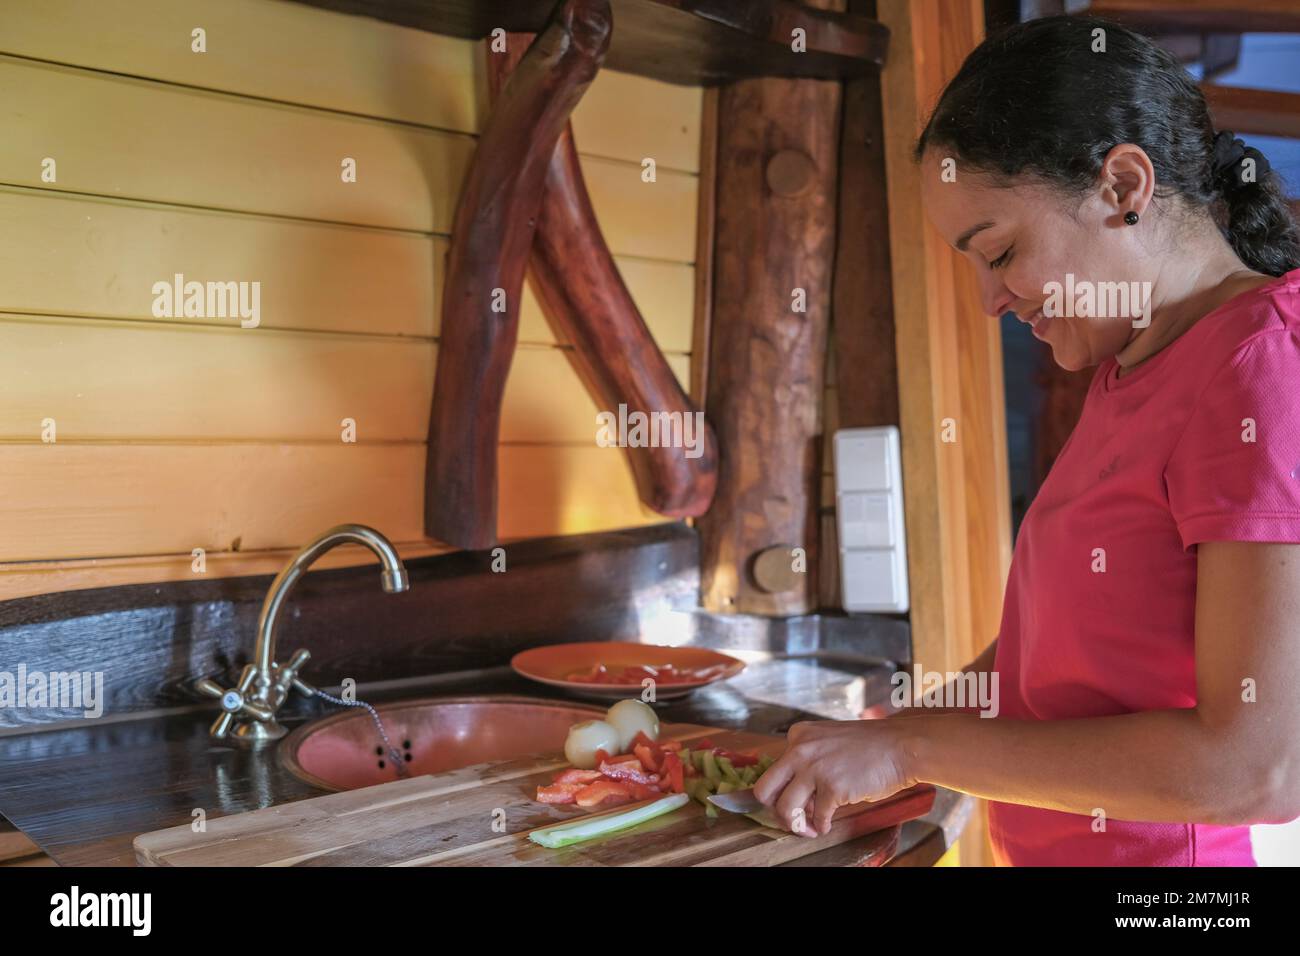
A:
(586, 738)
(630, 716)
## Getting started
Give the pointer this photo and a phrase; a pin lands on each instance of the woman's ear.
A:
(1128, 180)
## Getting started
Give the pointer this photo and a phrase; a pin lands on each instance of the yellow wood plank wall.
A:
(178, 433)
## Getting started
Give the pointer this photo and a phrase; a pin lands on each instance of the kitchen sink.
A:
(434, 734)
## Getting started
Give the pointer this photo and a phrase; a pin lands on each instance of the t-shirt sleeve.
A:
(1235, 472)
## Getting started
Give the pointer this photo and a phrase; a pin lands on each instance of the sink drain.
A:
(399, 765)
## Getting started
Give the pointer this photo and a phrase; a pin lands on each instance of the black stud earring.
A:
(1131, 218)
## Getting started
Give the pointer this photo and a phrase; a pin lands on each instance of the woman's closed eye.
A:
(1001, 260)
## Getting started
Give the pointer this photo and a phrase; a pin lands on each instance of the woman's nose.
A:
(995, 297)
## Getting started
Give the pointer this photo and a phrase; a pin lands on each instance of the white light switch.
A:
(864, 459)
(868, 520)
(869, 515)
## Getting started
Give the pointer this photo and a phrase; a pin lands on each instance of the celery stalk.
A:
(576, 831)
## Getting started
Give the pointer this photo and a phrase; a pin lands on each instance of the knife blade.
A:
(737, 801)
(744, 801)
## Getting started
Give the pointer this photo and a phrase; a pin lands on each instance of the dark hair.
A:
(1036, 98)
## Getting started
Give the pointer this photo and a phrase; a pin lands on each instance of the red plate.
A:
(555, 664)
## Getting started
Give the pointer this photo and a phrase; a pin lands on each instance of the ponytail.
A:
(1260, 225)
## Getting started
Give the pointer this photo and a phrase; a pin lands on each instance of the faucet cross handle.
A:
(286, 675)
(235, 702)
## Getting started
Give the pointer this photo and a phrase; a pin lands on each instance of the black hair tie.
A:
(1229, 153)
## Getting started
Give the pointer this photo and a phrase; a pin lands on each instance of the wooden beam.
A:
(865, 370)
(956, 497)
(1209, 16)
(705, 219)
(691, 42)
(588, 305)
(492, 236)
(1263, 112)
(777, 164)
(862, 330)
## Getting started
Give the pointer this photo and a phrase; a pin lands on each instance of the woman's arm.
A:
(1233, 759)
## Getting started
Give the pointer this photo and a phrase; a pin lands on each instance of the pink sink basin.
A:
(344, 751)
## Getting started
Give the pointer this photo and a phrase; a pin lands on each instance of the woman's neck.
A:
(1179, 301)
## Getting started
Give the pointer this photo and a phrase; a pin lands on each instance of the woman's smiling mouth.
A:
(1036, 321)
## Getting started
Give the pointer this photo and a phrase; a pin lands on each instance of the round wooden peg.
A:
(791, 172)
(774, 569)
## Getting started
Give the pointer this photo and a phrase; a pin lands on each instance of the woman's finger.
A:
(826, 805)
(789, 808)
(809, 828)
(769, 786)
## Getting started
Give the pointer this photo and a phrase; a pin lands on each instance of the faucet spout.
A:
(393, 578)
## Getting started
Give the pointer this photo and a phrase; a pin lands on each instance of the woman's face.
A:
(1021, 239)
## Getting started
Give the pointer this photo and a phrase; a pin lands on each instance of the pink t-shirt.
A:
(1160, 460)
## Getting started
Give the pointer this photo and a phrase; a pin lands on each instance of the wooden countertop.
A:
(83, 794)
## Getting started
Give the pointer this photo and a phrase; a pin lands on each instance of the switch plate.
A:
(869, 520)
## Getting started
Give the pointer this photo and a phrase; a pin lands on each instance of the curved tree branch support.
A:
(491, 237)
(586, 302)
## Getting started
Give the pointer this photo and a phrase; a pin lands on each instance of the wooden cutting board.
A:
(481, 815)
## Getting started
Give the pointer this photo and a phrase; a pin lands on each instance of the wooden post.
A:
(775, 231)
(955, 486)
(865, 371)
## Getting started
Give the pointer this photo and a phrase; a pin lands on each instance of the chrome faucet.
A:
(251, 705)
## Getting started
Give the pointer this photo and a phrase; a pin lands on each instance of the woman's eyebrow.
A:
(964, 239)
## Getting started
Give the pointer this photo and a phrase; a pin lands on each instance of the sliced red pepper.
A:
(559, 793)
(653, 745)
(600, 791)
(673, 772)
(574, 775)
(601, 757)
(670, 745)
(705, 744)
(628, 770)
(737, 760)
(649, 759)
(642, 791)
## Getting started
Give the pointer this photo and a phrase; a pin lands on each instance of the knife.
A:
(737, 801)
(744, 801)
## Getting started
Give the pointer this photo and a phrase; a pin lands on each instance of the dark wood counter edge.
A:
(700, 43)
(464, 611)
(151, 642)
(82, 795)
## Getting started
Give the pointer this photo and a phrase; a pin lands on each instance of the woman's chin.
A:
(1072, 360)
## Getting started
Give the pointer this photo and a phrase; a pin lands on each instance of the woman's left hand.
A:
(828, 764)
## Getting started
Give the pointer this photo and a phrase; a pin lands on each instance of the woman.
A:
(1148, 661)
